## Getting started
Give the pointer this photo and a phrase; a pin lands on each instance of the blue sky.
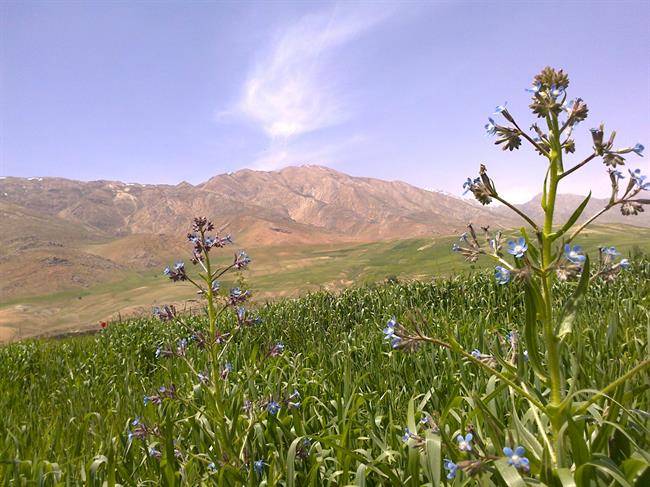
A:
(160, 92)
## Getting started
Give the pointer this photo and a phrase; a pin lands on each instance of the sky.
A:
(171, 91)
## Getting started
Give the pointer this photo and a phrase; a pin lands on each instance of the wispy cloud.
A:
(294, 87)
(297, 85)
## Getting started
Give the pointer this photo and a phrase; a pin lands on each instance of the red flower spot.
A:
(103, 324)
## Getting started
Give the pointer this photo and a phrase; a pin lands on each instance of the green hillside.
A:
(276, 272)
(68, 406)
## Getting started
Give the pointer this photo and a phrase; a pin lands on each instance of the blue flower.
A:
(136, 421)
(295, 394)
(241, 313)
(167, 271)
(389, 331)
(203, 377)
(158, 352)
(455, 248)
(242, 260)
(618, 174)
(535, 88)
(212, 467)
(502, 275)
(624, 264)
(216, 285)
(491, 127)
(500, 108)
(273, 407)
(451, 468)
(639, 179)
(406, 435)
(154, 453)
(611, 251)
(574, 254)
(476, 353)
(516, 458)
(259, 466)
(518, 248)
(556, 91)
(638, 149)
(465, 444)
(147, 400)
(228, 367)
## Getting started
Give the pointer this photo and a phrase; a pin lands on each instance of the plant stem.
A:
(577, 166)
(588, 222)
(518, 212)
(455, 346)
(212, 316)
(552, 343)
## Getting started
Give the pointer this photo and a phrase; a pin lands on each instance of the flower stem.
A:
(552, 343)
(212, 315)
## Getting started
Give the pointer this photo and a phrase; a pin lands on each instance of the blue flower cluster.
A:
(389, 333)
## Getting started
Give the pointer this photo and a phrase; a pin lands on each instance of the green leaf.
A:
(413, 455)
(509, 474)
(433, 448)
(633, 468)
(605, 465)
(96, 465)
(291, 462)
(579, 446)
(612, 328)
(568, 315)
(566, 477)
(360, 477)
(572, 219)
(531, 331)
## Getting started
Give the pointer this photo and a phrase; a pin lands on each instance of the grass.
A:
(277, 272)
(67, 405)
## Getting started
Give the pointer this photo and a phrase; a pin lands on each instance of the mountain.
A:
(304, 204)
(73, 253)
(57, 234)
(567, 203)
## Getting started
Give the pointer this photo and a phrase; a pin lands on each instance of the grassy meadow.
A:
(67, 406)
(277, 272)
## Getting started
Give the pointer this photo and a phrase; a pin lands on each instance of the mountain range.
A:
(59, 234)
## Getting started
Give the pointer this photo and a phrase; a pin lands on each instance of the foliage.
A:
(67, 406)
(576, 431)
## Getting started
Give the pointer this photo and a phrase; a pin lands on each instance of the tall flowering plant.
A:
(203, 427)
(564, 448)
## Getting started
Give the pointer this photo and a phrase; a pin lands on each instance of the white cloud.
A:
(294, 87)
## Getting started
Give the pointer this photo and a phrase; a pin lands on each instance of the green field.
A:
(67, 405)
(276, 272)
